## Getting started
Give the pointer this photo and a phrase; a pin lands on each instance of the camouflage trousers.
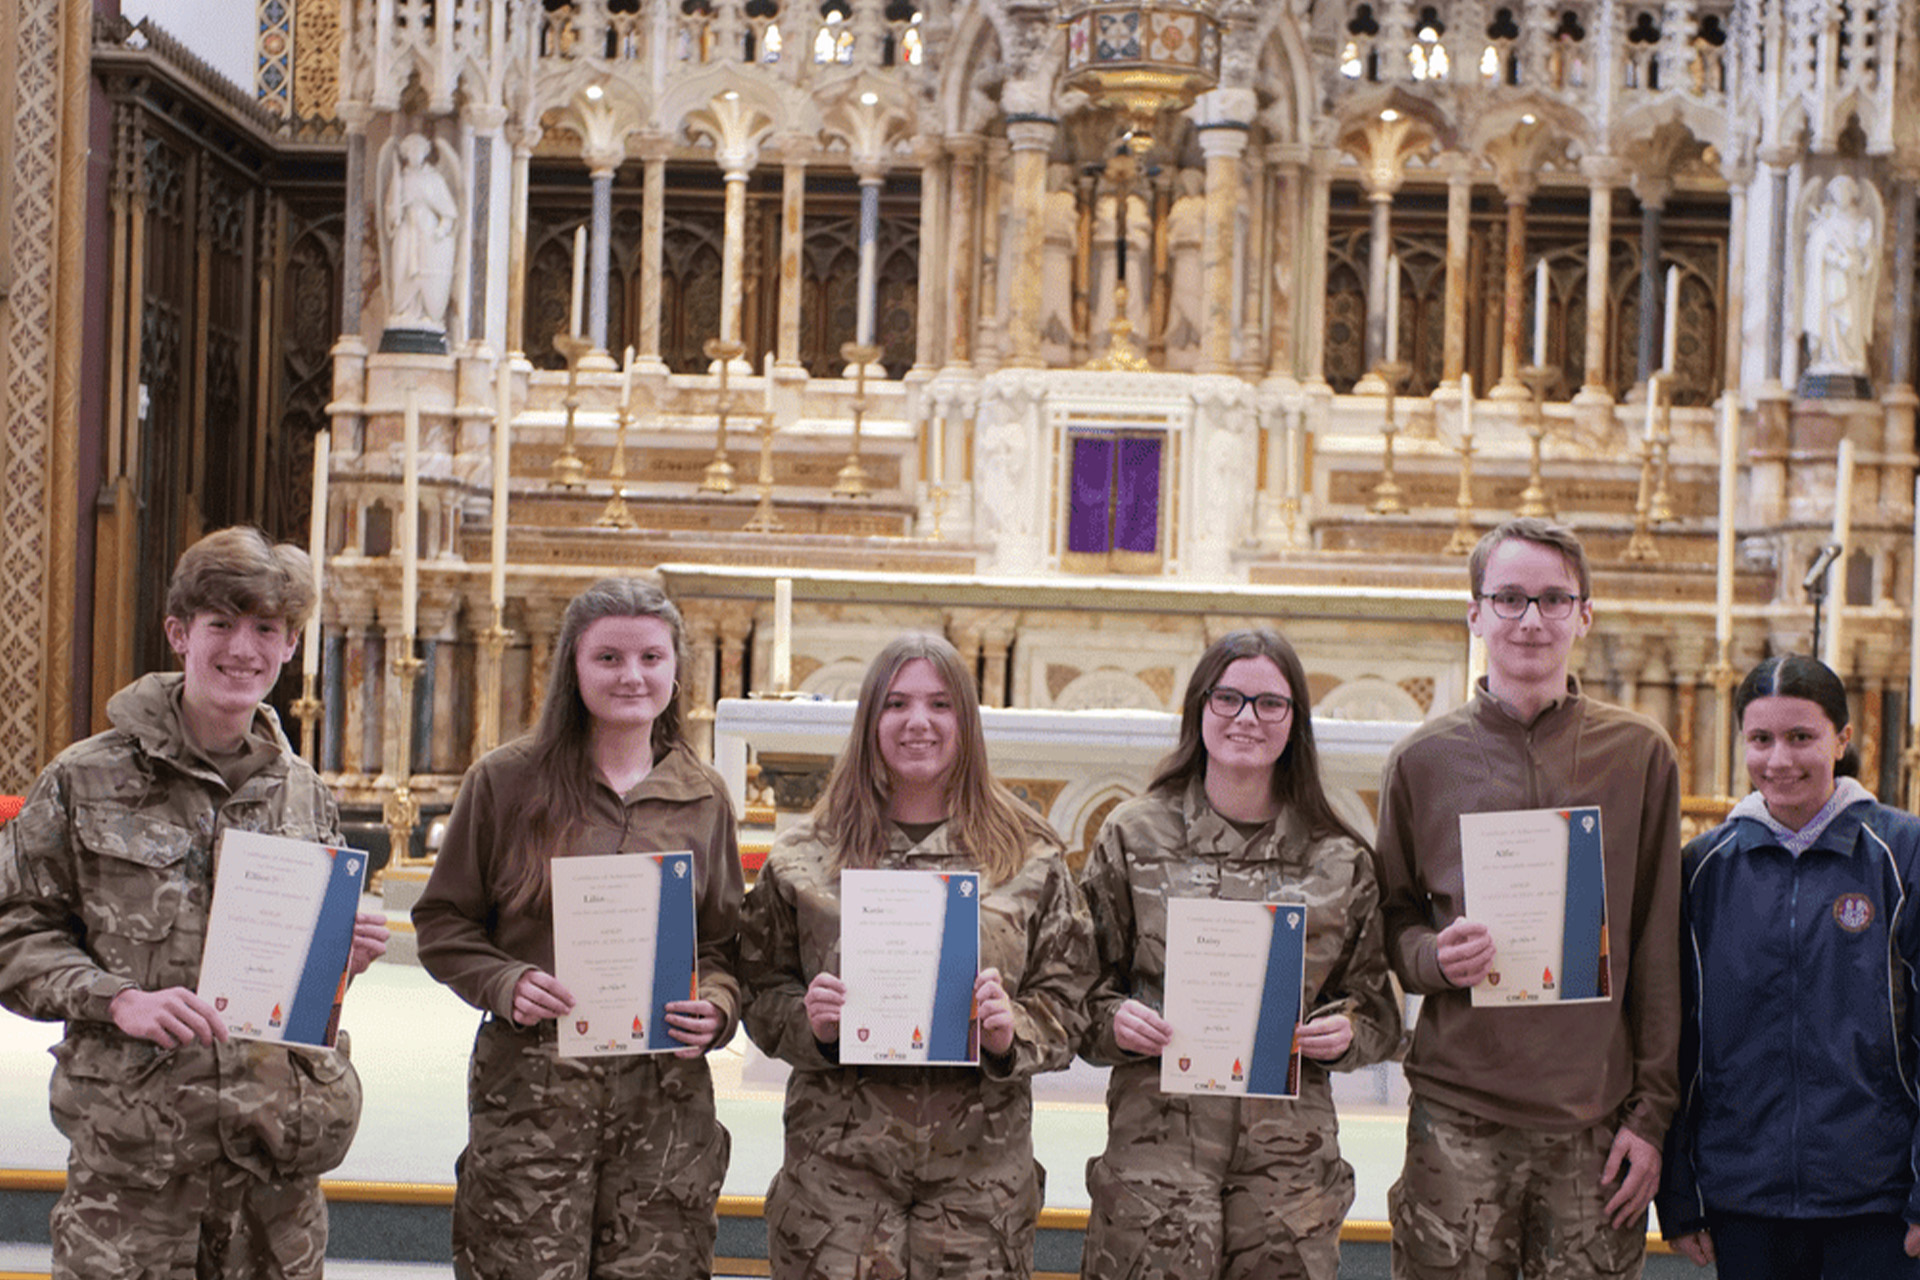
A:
(1195, 1187)
(899, 1171)
(1480, 1200)
(214, 1221)
(585, 1168)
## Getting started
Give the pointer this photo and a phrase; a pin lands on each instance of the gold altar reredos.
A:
(795, 176)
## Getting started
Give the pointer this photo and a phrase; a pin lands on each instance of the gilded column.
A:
(1223, 144)
(1602, 172)
(793, 240)
(653, 195)
(1031, 137)
(1453, 342)
(962, 254)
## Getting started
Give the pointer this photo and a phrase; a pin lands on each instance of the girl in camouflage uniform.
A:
(1192, 1186)
(925, 1172)
(579, 1168)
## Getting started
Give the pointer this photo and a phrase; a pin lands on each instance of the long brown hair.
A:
(987, 820)
(548, 819)
(1296, 774)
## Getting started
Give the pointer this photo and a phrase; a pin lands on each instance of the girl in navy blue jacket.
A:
(1793, 1154)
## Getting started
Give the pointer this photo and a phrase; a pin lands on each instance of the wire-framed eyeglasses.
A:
(1267, 707)
(1511, 603)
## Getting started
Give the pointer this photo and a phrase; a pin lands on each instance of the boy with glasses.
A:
(1534, 1132)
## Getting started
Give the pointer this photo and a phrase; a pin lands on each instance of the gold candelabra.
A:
(1641, 546)
(402, 808)
(569, 471)
(1661, 511)
(306, 709)
(1464, 537)
(1386, 494)
(1534, 499)
(719, 475)
(616, 515)
(493, 648)
(763, 520)
(937, 495)
(852, 481)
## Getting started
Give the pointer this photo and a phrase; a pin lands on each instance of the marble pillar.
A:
(1284, 271)
(1777, 170)
(1652, 288)
(1031, 138)
(1453, 343)
(962, 255)
(793, 244)
(1379, 252)
(600, 256)
(733, 255)
(1223, 145)
(1313, 271)
(933, 212)
(1602, 173)
(353, 235)
(653, 195)
(517, 246)
(871, 179)
(1900, 336)
(1514, 296)
(989, 343)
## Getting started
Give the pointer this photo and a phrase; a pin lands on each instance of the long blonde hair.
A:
(987, 820)
(550, 815)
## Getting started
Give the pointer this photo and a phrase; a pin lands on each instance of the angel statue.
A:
(420, 241)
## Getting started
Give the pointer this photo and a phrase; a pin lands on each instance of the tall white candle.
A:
(626, 383)
(1540, 312)
(1671, 346)
(502, 475)
(1837, 574)
(1466, 406)
(937, 450)
(1913, 607)
(1653, 399)
(1393, 307)
(317, 550)
(782, 634)
(766, 368)
(410, 515)
(1723, 568)
(579, 280)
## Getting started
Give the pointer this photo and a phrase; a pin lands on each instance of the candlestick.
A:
(1671, 345)
(502, 475)
(782, 672)
(1540, 311)
(579, 279)
(410, 514)
(317, 550)
(1393, 308)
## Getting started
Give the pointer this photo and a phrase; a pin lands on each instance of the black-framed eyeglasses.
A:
(1511, 604)
(1267, 707)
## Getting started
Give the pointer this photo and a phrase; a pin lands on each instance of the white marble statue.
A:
(1842, 275)
(420, 221)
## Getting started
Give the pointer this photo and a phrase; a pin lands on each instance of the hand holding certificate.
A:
(623, 945)
(1536, 879)
(279, 936)
(909, 954)
(1235, 973)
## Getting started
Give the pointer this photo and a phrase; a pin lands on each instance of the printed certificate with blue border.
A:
(1234, 992)
(279, 936)
(1537, 879)
(909, 953)
(623, 945)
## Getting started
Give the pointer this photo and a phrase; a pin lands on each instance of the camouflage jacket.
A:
(1033, 929)
(1158, 847)
(106, 882)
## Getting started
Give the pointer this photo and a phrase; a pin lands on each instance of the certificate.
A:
(1536, 879)
(623, 944)
(909, 952)
(279, 936)
(1234, 991)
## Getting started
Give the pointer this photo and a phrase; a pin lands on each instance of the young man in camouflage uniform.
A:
(193, 1155)
(1533, 1134)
